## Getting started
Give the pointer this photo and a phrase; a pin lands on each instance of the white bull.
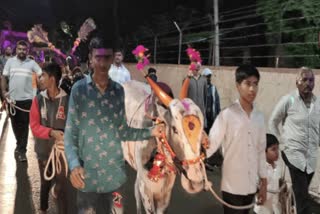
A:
(184, 125)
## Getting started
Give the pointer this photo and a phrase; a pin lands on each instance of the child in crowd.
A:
(47, 122)
(240, 130)
(272, 205)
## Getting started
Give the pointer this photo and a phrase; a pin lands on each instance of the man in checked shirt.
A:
(299, 114)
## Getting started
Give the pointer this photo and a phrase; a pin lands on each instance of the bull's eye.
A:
(174, 129)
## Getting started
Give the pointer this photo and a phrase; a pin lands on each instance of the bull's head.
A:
(184, 130)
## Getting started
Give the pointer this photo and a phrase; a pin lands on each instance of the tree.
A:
(294, 26)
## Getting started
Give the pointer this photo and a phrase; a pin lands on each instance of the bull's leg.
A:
(138, 196)
(146, 196)
(162, 199)
(162, 203)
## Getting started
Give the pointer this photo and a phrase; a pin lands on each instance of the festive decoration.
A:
(87, 27)
(156, 171)
(142, 59)
(194, 57)
(192, 128)
(38, 35)
(195, 61)
(117, 197)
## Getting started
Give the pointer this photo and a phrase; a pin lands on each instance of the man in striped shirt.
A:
(18, 72)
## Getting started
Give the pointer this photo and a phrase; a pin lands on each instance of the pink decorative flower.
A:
(139, 53)
(140, 66)
(194, 57)
(146, 61)
(192, 66)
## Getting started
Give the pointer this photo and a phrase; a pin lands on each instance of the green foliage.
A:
(293, 21)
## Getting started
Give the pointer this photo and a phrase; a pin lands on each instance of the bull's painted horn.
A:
(163, 96)
(184, 89)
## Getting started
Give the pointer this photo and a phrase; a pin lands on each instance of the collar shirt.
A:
(300, 134)
(271, 205)
(119, 74)
(96, 125)
(243, 141)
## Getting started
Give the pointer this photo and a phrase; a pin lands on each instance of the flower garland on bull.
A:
(161, 165)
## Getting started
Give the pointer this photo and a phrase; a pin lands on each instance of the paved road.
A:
(19, 186)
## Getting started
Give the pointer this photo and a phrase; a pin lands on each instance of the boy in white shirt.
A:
(240, 130)
(272, 205)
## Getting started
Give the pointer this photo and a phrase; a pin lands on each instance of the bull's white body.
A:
(155, 196)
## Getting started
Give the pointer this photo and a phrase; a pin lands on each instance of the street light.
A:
(180, 40)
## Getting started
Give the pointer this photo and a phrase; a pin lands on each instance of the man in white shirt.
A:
(19, 72)
(299, 115)
(240, 130)
(118, 72)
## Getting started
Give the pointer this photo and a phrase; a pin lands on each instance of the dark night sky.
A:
(132, 13)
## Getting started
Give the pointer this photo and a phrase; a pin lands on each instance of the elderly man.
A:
(299, 114)
(197, 90)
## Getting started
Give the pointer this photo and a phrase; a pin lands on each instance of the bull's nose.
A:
(194, 173)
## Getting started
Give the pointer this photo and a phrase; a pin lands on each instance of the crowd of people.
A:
(84, 113)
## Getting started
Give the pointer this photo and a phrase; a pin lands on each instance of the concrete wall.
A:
(274, 83)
